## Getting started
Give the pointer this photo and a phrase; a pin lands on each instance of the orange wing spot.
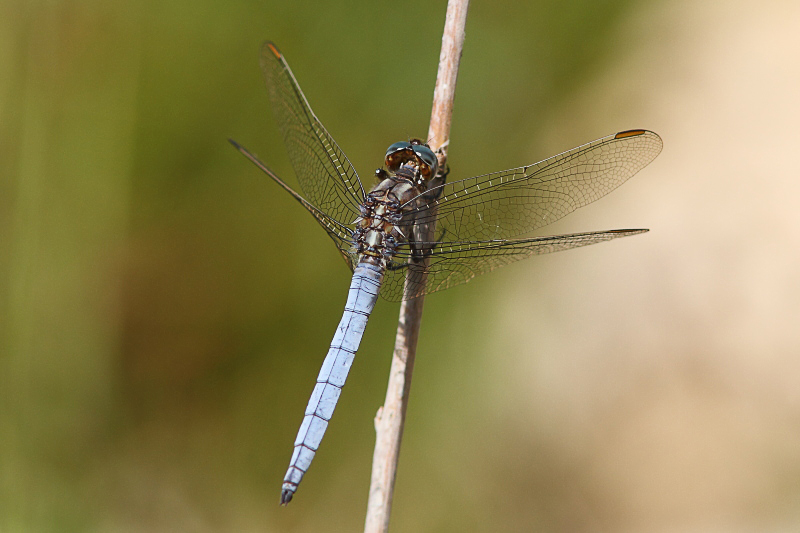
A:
(628, 133)
(274, 50)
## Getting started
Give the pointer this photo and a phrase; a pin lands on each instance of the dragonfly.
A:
(415, 233)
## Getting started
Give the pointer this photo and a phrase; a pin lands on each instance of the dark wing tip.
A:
(651, 138)
(273, 49)
(630, 231)
(629, 133)
(235, 144)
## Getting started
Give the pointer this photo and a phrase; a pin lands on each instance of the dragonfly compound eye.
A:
(395, 155)
(430, 163)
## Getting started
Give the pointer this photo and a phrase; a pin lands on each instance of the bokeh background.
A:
(164, 308)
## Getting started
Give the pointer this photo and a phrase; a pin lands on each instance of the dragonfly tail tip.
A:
(286, 496)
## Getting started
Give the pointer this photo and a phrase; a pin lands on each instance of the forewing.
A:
(326, 176)
(505, 204)
(454, 263)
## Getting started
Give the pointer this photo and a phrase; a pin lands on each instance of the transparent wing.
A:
(454, 263)
(340, 233)
(505, 204)
(474, 218)
(326, 176)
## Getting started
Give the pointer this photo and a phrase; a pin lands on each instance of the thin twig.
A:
(391, 417)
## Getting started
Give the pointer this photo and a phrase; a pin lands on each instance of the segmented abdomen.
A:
(361, 299)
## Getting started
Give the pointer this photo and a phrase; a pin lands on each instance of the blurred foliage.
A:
(165, 308)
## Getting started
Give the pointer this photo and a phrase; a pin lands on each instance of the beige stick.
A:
(391, 417)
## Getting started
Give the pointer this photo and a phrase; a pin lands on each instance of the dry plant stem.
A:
(391, 417)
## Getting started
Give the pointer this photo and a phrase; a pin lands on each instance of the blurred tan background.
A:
(165, 309)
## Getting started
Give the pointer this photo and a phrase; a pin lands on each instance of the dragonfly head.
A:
(412, 159)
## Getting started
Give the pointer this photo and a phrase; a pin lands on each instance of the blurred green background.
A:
(165, 308)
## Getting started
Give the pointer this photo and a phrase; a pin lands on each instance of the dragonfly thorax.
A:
(377, 232)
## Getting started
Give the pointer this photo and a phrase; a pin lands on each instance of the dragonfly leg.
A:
(435, 185)
(396, 266)
(416, 255)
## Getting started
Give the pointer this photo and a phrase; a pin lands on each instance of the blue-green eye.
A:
(396, 154)
(427, 156)
(396, 147)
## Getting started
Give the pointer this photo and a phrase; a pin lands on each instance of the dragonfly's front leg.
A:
(417, 252)
(420, 235)
(435, 185)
